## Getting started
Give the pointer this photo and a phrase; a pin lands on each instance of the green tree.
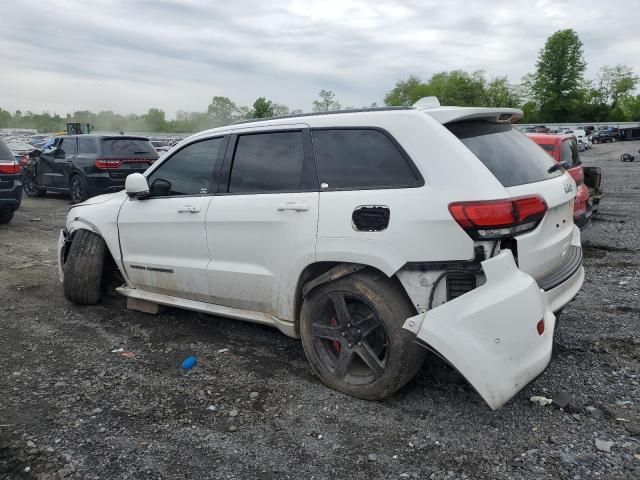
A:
(558, 77)
(155, 120)
(500, 93)
(280, 110)
(406, 92)
(262, 108)
(617, 82)
(326, 103)
(222, 111)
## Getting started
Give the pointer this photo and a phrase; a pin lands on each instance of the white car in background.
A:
(368, 234)
(581, 136)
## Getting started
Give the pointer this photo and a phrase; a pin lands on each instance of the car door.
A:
(46, 161)
(261, 227)
(162, 238)
(63, 161)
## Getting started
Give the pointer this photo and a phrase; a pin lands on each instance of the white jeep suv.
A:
(368, 234)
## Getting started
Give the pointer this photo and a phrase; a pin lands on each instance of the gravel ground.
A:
(251, 408)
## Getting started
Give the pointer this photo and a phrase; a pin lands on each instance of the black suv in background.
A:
(606, 134)
(10, 184)
(87, 165)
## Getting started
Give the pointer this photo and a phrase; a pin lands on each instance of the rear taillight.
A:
(111, 163)
(492, 219)
(9, 167)
(105, 163)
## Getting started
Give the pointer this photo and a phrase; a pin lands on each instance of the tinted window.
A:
(5, 153)
(87, 145)
(569, 152)
(267, 162)
(512, 157)
(127, 147)
(548, 147)
(69, 146)
(187, 172)
(360, 158)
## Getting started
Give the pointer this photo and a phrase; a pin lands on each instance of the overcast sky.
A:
(129, 55)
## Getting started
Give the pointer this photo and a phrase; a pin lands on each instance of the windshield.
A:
(510, 155)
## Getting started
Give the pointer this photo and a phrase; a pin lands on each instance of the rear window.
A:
(127, 147)
(569, 152)
(5, 153)
(547, 147)
(509, 154)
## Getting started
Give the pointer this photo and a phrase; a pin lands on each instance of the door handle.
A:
(294, 206)
(188, 209)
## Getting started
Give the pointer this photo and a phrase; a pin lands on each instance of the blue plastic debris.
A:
(189, 363)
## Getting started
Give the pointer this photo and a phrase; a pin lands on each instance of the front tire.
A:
(352, 334)
(78, 189)
(6, 214)
(83, 270)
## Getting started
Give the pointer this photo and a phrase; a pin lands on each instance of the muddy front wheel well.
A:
(111, 272)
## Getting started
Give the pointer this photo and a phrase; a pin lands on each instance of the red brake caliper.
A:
(335, 344)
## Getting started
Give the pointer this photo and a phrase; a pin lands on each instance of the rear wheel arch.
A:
(320, 273)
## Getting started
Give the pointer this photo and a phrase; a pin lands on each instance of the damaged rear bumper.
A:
(499, 336)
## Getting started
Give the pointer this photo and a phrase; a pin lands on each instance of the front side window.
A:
(268, 162)
(360, 158)
(187, 172)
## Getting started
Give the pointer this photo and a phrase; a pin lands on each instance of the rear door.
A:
(523, 169)
(261, 227)
(63, 161)
(163, 238)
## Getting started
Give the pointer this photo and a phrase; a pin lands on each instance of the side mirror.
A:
(136, 186)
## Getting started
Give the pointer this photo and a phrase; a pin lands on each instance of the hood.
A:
(101, 199)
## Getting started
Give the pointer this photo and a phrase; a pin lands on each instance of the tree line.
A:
(557, 91)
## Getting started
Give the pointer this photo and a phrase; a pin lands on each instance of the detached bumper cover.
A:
(490, 335)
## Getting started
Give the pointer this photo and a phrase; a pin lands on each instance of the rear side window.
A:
(569, 152)
(268, 162)
(360, 158)
(510, 156)
(187, 172)
(127, 147)
(69, 146)
(87, 145)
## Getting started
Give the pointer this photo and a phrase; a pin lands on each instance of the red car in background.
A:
(564, 148)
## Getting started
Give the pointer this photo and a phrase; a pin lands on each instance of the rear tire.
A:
(6, 214)
(78, 189)
(83, 272)
(352, 334)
